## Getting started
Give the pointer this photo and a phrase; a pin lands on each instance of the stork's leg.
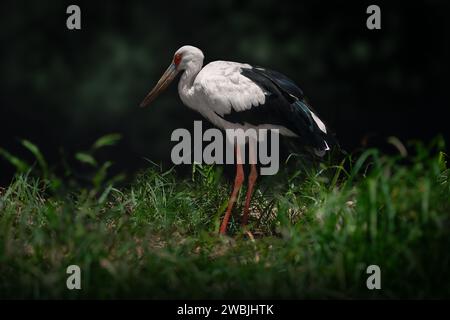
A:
(251, 179)
(237, 185)
(251, 183)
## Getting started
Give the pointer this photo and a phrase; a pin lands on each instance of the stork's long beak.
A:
(162, 84)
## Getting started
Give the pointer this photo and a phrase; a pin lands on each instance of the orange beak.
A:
(162, 84)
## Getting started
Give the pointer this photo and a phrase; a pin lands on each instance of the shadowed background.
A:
(62, 89)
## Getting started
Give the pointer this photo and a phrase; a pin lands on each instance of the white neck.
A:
(185, 85)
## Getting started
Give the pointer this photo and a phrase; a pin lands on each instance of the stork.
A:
(235, 95)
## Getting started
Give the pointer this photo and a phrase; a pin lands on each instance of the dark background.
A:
(62, 89)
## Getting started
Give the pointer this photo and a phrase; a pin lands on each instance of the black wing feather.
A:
(285, 105)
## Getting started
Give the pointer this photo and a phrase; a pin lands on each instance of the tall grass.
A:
(314, 231)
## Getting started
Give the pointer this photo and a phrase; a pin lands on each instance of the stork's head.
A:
(185, 58)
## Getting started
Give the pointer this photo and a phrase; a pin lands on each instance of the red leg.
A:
(251, 183)
(237, 185)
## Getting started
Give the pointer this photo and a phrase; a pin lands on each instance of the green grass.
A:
(314, 230)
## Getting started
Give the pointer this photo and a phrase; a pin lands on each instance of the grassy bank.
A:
(314, 232)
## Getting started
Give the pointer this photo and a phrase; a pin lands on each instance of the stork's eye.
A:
(177, 59)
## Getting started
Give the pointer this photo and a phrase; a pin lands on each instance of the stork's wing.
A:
(257, 96)
(226, 89)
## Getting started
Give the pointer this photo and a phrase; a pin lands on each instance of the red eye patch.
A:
(177, 59)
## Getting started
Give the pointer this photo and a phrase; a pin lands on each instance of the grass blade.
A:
(20, 165)
(38, 155)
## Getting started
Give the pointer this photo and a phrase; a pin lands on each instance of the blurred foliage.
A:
(63, 88)
(62, 177)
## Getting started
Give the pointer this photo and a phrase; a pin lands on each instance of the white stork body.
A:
(233, 95)
(220, 88)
